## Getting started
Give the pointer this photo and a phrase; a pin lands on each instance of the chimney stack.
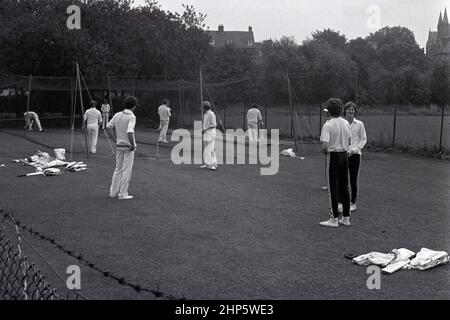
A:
(221, 29)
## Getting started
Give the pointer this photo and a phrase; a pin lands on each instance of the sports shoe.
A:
(345, 221)
(332, 222)
(213, 167)
(165, 141)
(352, 206)
(204, 166)
(128, 197)
(340, 208)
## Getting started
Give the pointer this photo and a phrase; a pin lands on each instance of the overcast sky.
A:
(272, 19)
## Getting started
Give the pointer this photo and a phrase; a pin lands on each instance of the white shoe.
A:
(213, 168)
(340, 208)
(345, 221)
(204, 166)
(165, 141)
(332, 222)
(160, 140)
(128, 197)
(352, 206)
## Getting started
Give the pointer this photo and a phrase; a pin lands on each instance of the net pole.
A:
(82, 110)
(442, 128)
(201, 93)
(28, 102)
(73, 98)
(180, 98)
(109, 96)
(395, 126)
(292, 111)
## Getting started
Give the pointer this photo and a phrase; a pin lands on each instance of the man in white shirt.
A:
(209, 137)
(92, 118)
(335, 137)
(358, 141)
(164, 118)
(122, 127)
(106, 109)
(254, 119)
(30, 119)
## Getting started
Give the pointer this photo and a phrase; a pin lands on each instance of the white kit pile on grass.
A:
(403, 259)
(46, 165)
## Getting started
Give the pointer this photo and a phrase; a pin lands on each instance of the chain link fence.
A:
(20, 279)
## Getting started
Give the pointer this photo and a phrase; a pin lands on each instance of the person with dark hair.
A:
(92, 118)
(335, 137)
(164, 118)
(122, 128)
(254, 119)
(106, 109)
(358, 141)
(209, 137)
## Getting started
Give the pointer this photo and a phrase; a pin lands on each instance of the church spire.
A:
(440, 20)
(445, 20)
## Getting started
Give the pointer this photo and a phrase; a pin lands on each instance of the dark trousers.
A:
(353, 168)
(338, 182)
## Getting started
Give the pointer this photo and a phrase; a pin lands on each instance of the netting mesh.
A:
(19, 278)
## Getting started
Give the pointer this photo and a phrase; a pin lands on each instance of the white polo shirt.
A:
(105, 108)
(358, 136)
(336, 132)
(30, 114)
(254, 115)
(209, 120)
(164, 113)
(92, 116)
(124, 123)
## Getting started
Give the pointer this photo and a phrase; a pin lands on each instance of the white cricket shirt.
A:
(209, 120)
(254, 115)
(164, 112)
(358, 136)
(92, 116)
(336, 132)
(124, 123)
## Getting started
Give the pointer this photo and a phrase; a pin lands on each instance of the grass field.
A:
(230, 234)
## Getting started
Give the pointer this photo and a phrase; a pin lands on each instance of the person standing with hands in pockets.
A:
(122, 127)
(358, 141)
(335, 137)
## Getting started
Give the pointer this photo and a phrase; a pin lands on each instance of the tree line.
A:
(118, 38)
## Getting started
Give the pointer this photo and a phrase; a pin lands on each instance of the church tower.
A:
(438, 44)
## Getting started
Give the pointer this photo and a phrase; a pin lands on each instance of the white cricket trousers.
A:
(92, 133)
(122, 172)
(252, 131)
(209, 153)
(105, 118)
(29, 123)
(163, 126)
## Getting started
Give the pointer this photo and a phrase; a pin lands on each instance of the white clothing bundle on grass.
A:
(288, 153)
(42, 161)
(401, 259)
(427, 258)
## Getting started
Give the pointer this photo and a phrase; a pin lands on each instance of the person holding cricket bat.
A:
(122, 128)
(335, 137)
(209, 137)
